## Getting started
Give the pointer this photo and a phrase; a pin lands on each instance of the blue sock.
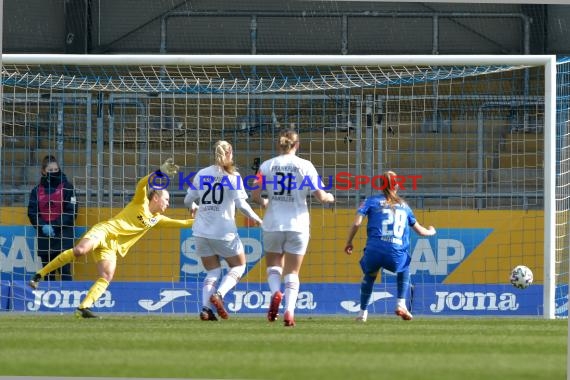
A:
(366, 290)
(403, 279)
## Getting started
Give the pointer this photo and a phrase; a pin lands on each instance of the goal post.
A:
(479, 130)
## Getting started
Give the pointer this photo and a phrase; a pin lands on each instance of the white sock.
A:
(291, 291)
(231, 279)
(362, 315)
(402, 303)
(209, 286)
(274, 278)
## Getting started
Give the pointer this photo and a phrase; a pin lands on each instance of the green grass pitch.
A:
(249, 347)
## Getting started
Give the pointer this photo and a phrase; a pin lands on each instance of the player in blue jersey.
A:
(387, 243)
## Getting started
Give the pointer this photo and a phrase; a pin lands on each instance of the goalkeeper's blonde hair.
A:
(221, 150)
(152, 192)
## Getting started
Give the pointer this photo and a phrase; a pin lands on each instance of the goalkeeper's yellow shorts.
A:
(105, 247)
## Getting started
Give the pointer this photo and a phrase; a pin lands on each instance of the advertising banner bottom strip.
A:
(321, 298)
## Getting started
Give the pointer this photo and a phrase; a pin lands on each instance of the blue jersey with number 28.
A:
(388, 226)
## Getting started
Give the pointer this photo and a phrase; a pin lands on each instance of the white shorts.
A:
(206, 247)
(286, 241)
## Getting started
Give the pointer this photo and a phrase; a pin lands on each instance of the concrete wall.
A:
(134, 26)
(557, 27)
(33, 26)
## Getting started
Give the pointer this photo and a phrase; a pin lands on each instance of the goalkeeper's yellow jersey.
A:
(129, 225)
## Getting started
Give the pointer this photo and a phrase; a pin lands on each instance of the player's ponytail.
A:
(391, 189)
(221, 151)
(287, 140)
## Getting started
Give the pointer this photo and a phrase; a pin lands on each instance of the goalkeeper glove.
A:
(169, 168)
(48, 230)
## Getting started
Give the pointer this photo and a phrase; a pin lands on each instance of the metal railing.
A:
(344, 16)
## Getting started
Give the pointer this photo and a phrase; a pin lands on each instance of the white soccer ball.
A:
(521, 277)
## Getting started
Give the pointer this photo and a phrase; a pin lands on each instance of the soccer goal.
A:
(475, 140)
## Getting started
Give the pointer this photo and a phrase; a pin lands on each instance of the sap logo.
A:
(448, 253)
(15, 250)
(167, 296)
(440, 255)
(65, 299)
(470, 301)
(261, 300)
(353, 307)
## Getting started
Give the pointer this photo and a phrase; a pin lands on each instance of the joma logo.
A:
(65, 299)
(470, 301)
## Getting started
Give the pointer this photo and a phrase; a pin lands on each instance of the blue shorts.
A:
(377, 256)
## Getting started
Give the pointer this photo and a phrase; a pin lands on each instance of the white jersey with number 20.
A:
(216, 192)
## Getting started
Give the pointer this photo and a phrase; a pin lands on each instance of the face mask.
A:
(53, 179)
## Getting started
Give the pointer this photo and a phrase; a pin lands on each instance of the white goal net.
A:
(475, 138)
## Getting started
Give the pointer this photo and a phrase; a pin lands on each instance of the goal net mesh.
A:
(468, 140)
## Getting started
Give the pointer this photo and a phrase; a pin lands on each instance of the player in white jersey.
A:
(219, 189)
(288, 180)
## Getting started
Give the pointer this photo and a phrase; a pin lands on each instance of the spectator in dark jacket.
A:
(52, 211)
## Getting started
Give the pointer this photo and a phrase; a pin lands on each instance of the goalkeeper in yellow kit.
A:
(117, 235)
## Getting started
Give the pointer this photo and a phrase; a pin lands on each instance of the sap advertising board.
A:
(434, 259)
